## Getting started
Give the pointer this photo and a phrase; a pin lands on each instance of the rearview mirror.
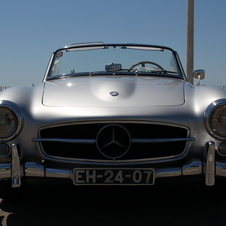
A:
(113, 67)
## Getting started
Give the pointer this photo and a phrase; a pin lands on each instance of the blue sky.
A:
(32, 29)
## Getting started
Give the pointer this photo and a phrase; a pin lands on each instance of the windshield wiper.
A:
(68, 75)
(169, 72)
(159, 73)
(107, 73)
(156, 72)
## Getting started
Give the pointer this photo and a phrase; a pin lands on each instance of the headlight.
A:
(10, 120)
(215, 117)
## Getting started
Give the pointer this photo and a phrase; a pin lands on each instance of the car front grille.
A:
(114, 141)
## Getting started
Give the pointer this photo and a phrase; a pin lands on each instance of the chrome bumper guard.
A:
(210, 168)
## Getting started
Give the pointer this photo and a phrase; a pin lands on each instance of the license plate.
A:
(113, 176)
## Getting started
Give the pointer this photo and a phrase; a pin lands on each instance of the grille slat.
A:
(148, 141)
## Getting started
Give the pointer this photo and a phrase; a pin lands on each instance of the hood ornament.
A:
(114, 93)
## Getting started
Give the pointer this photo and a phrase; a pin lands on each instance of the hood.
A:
(113, 91)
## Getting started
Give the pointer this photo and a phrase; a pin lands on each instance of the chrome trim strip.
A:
(59, 173)
(16, 169)
(33, 169)
(88, 161)
(93, 141)
(195, 167)
(78, 141)
(161, 140)
(192, 168)
(221, 168)
(116, 122)
(58, 158)
(168, 172)
(210, 164)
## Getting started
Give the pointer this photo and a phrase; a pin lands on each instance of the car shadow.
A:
(71, 205)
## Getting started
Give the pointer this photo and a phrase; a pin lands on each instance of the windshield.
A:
(117, 59)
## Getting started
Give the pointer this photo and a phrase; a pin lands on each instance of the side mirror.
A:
(199, 74)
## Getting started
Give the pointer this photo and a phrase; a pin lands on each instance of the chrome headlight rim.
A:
(207, 117)
(19, 116)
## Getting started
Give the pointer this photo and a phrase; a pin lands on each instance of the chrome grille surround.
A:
(149, 141)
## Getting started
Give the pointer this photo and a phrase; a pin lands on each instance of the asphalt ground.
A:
(143, 206)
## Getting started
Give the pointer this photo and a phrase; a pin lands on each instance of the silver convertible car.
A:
(113, 114)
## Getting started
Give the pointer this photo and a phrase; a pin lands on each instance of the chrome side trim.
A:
(15, 167)
(210, 164)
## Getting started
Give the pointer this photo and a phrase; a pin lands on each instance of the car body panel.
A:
(96, 92)
(158, 120)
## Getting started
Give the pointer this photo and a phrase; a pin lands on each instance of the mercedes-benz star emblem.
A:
(114, 93)
(113, 141)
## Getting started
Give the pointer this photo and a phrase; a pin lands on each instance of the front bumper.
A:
(210, 168)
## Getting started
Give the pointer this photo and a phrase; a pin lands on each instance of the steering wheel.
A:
(143, 65)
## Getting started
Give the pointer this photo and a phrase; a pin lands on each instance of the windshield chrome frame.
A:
(100, 45)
